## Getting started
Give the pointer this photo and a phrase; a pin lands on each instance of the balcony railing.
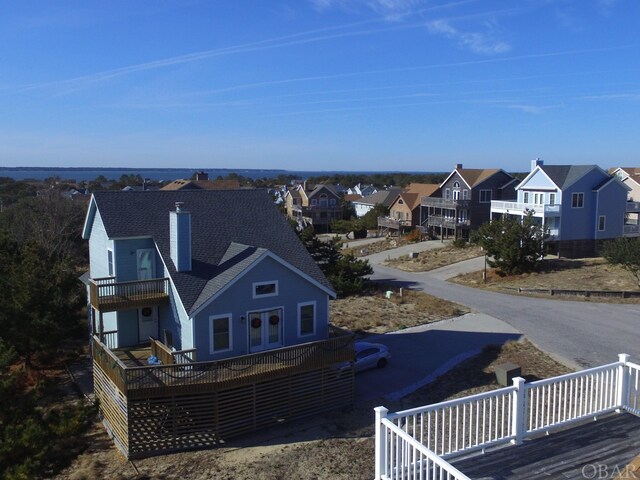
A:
(633, 207)
(446, 222)
(107, 295)
(388, 222)
(438, 202)
(415, 443)
(632, 230)
(172, 357)
(201, 376)
(520, 208)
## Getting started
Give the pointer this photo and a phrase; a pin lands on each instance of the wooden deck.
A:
(133, 356)
(601, 449)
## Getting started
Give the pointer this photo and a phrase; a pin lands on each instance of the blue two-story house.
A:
(578, 205)
(218, 272)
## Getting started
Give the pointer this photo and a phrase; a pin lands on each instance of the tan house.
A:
(405, 209)
(631, 178)
(318, 207)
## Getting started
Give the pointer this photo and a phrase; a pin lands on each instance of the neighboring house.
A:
(382, 197)
(206, 278)
(578, 205)
(318, 207)
(362, 190)
(202, 182)
(631, 178)
(405, 209)
(463, 201)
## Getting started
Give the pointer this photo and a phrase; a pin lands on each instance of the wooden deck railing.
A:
(199, 376)
(171, 357)
(108, 295)
(109, 363)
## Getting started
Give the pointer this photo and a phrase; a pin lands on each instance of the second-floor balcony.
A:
(633, 207)
(516, 208)
(437, 202)
(447, 222)
(107, 295)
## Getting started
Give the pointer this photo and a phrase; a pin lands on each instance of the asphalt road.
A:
(582, 334)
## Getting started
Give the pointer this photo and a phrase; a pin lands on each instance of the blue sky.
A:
(390, 85)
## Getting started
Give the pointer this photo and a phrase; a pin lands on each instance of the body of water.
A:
(83, 174)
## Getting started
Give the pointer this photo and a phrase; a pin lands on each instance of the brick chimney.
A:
(202, 176)
(180, 238)
(458, 166)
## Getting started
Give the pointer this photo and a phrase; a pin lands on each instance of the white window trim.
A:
(111, 273)
(266, 295)
(447, 194)
(315, 319)
(577, 194)
(490, 195)
(604, 223)
(216, 317)
(525, 197)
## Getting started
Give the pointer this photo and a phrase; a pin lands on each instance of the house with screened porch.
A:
(207, 305)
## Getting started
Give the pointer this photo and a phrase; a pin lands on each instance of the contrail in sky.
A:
(267, 44)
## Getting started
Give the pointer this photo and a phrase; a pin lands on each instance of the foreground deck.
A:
(550, 422)
(587, 451)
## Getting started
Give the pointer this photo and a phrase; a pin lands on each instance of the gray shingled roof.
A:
(383, 197)
(230, 230)
(565, 175)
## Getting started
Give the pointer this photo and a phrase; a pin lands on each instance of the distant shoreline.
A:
(161, 174)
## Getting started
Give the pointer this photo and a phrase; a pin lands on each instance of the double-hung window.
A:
(220, 333)
(306, 319)
(485, 196)
(577, 200)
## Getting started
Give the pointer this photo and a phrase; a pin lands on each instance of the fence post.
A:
(518, 410)
(381, 442)
(623, 381)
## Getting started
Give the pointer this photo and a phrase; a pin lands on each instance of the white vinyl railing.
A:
(516, 208)
(404, 457)
(501, 416)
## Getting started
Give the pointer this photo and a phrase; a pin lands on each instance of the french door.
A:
(265, 330)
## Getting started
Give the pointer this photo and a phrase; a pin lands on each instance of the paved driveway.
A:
(420, 354)
(582, 334)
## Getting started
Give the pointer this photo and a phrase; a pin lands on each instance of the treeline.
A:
(41, 310)
(398, 179)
